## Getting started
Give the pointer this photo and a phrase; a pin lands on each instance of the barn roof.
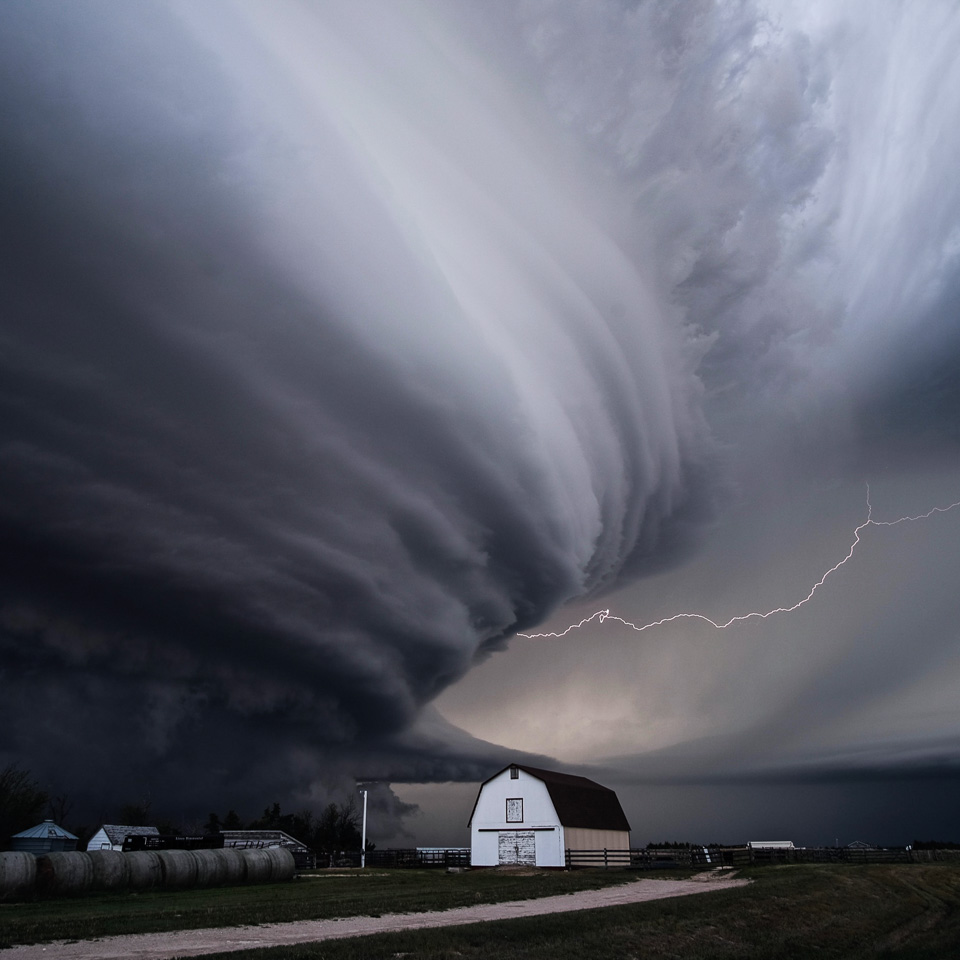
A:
(117, 832)
(44, 830)
(579, 801)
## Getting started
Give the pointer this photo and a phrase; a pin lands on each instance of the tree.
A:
(338, 829)
(22, 802)
(59, 807)
(136, 814)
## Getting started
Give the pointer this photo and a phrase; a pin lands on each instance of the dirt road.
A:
(196, 943)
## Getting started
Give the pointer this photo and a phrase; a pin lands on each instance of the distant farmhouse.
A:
(524, 815)
(111, 836)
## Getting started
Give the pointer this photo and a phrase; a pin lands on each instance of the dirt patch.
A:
(196, 943)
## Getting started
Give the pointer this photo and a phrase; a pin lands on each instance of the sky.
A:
(350, 352)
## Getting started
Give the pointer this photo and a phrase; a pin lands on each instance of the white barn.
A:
(524, 815)
(111, 836)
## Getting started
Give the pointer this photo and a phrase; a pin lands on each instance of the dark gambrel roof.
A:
(579, 802)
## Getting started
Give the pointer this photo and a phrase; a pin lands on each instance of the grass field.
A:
(898, 912)
(314, 897)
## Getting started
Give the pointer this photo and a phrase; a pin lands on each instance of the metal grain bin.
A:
(143, 870)
(178, 868)
(18, 874)
(46, 837)
(109, 869)
(65, 873)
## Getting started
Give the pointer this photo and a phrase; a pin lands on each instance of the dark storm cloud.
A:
(294, 426)
(788, 172)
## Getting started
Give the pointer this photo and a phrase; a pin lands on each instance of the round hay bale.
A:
(178, 868)
(64, 873)
(211, 867)
(109, 869)
(234, 866)
(18, 874)
(143, 869)
(282, 864)
(259, 865)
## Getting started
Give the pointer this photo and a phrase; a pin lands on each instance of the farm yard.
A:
(798, 910)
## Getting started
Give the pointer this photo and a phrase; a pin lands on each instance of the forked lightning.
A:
(602, 616)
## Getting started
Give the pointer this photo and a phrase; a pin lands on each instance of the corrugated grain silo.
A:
(46, 837)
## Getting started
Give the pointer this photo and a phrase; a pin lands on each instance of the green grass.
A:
(320, 896)
(897, 912)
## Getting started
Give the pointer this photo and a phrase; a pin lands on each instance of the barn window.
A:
(514, 772)
(515, 810)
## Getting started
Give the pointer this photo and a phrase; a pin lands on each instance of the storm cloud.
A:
(341, 342)
(321, 377)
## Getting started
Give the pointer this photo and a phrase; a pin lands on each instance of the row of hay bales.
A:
(70, 873)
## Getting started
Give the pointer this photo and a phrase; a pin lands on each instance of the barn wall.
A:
(100, 841)
(585, 838)
(539, 815)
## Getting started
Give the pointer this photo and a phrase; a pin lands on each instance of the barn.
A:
(111, 836)
(525, 815)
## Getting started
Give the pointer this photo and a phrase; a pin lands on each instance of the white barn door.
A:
(518, 847)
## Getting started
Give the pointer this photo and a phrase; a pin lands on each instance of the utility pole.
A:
(363, 840)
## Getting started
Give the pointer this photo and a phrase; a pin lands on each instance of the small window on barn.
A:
(515, 810)
(514, 772)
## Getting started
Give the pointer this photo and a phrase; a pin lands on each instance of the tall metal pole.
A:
(363, 841)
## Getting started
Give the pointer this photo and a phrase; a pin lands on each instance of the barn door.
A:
(518, 846)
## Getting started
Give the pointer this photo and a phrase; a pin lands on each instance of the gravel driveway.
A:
(196, 943)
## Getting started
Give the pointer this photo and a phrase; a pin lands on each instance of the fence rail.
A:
(743, 856)
(407, 857)
(643, 859)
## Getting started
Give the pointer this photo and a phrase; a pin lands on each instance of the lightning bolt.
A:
(601, 616)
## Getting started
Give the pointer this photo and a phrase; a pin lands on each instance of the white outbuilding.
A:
(524, 815)
(111, 836)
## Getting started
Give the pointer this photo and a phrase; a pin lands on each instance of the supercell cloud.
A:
(342, 341)
(321, 376)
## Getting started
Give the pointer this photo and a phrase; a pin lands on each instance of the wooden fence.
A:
(744, 856)
(409, 857)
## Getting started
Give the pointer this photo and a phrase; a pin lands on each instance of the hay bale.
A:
(18, 874)
(259, 865)
(178, 869)
(143, 869)
(64, 873)
(282, 864)
(211, 868)
(109, 869)
(234, 866)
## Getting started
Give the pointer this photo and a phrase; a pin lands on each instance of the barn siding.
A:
(584, 838)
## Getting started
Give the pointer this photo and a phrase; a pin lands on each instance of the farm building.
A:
(524, 815)
(111, 836)
(45, 837)
(245, 839)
